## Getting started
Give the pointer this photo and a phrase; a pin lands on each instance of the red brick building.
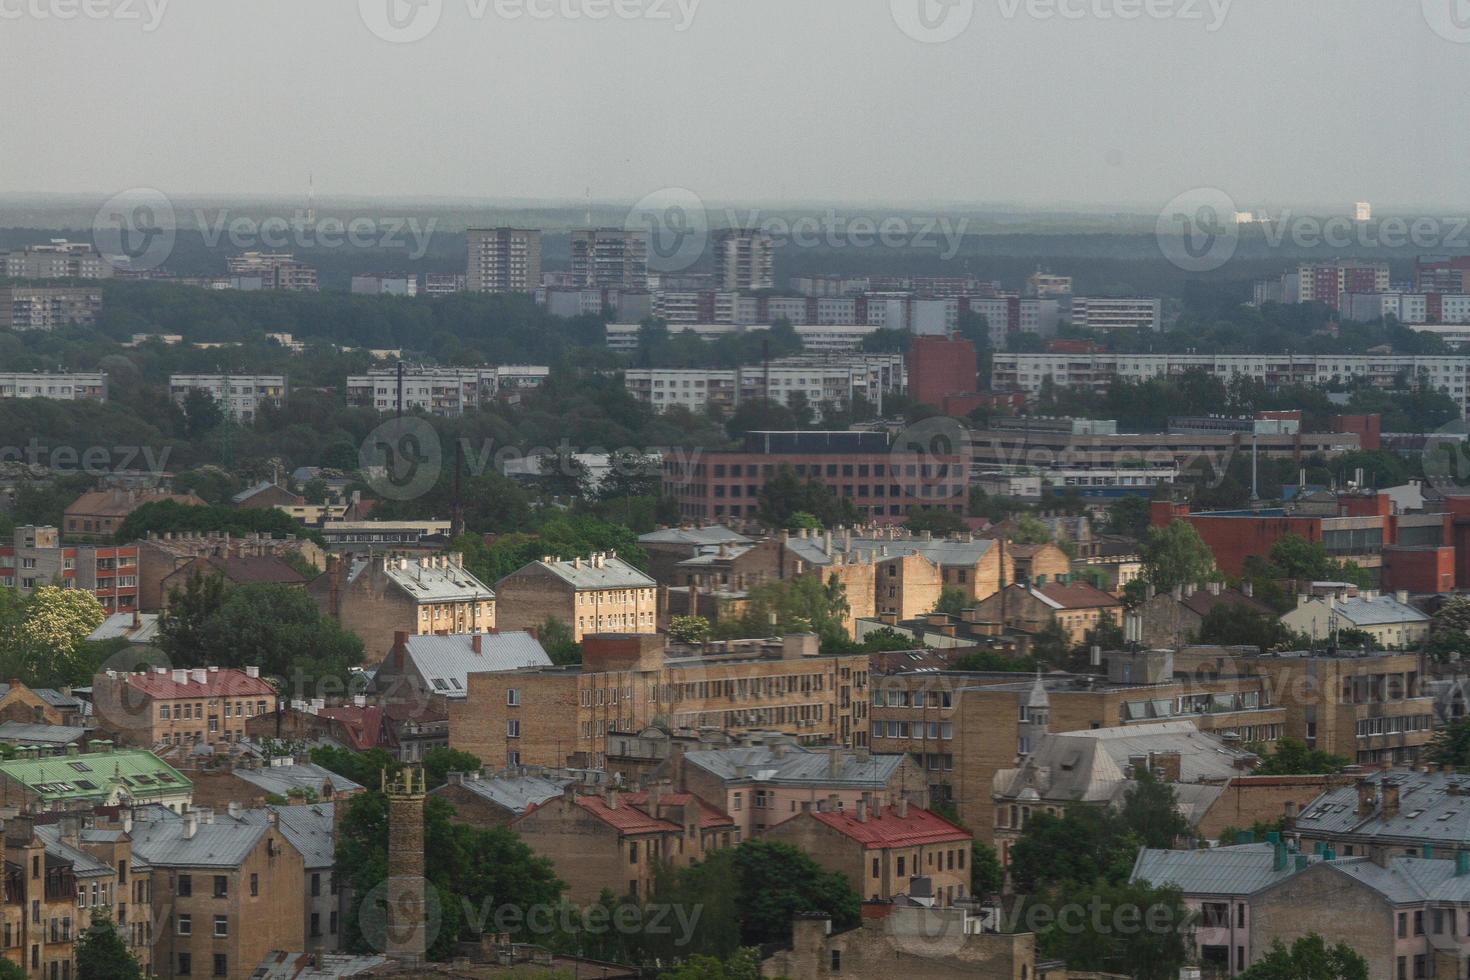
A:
(941, 367)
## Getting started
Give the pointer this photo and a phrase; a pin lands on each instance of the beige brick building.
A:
(1076, 606)
(600, 594)
(205, 705)
(378, 597)
(556, 716)
(890, 851)
(617, 841)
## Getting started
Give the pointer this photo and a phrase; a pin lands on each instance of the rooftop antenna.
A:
(589, 205)
(311, 199)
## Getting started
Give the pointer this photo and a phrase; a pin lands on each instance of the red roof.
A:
(709, 817)
(362, 726)
(216, 683)
(885, 828)
(1078, 595)
(626, 819)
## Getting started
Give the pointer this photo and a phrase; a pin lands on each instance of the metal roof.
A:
(83, 864)
(25, 733)
(120, 625)
(445, 662)
(516, 793)
(98, 776)
(796, 765)
(1379, 611)
(223, 842)
(941, 551)
(308, 828)
(281, 780)
(1433, 807)
(583, 574)
(1240, 870)
(714, 534)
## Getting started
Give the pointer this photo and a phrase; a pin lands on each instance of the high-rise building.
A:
(609, 257)
(745, 259)
(239, 396)
(45, 307)
(270, 270)
(60, 259)
(503, 260)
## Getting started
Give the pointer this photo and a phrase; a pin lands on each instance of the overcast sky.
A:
(1285, 102)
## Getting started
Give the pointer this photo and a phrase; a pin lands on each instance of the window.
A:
(512, 697)
(836, 961)
(186, 885)
(221, 926)
(316, 883)
(900, 867)
(254, 884)
(316, 924)
(185, 924)
(221, 965)
(633, 852)
(876, 870)
(185, 965)
(513, 728)
(221, 886)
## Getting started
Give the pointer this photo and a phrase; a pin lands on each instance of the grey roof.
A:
(1240, 870)
(444, 662)
(120, 625)
(1409, 880)
(585, 574)
(715, 534)
(796, 765)
(83, 864)
(427, 584)
(516, 793)
(249, 492)
(25, 733)
(281, 780)
(1433, 807)
(1379, 612)
(711, 555)
(941, 551)
(281, 965)
(308, 828)
(223, 843)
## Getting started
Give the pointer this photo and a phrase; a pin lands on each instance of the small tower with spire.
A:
(1038, 717)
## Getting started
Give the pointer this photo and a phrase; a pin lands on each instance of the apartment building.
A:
(105, 776)
(445, 391)
(1368, 708)
(422, 667)
(1076, 607)
(1414, 309)
(1402, 811)
(885, 851)
(961, 728)
(443, 283)
(882, 482)
(1116, 313)
(58, 387)
(1027, 372)
(774, 779)
(618, 842)
(59, 259)
(225, 891)
(553, 716)
(831, 339)
(503, 260)
(239, 396)
(811, 381)
(201, 706)
(386, 284)
(395, 536)
(36, 558)
(253, 271)
(377, 598)
(609, 258)
(48, 307)
(745, 259)
(1390, 620)
(161, 555)
(598, 594)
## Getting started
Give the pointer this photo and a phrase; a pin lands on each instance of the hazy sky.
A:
(1287, 102)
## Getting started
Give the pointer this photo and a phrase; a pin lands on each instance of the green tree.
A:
(440, 762)
(744, 964)
(938, 522)
(1145, 935)
(785, 495)
(364, 768)
(1451, 745)
(101, 955)
(1129, 516)
(202, 412)
(1292, 757)
(1030, 530)
(1236, 624)
(1176, 555)
(987, 877)
(1309, 958)
(775, 881)
(952, 601)
(805, 604)
(559, 642)
(690, 629)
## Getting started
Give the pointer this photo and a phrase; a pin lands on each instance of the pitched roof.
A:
(121, 503)
(83, 864)
(1203, 601)
(1076, 595)
(211, 682)
(625, 818)
(26, 733)
(713, 534)
(218, 842)
(942, 551)
(884, 828)
(281, 780)
(517, 794)
(1379, 611)
(427, 579)
(1239, 870)
(308, 828)
(1433, 806)
(583, 574)
(796, 765)
(121, 625)
(445, 662)
(253, 569)
(709, 817)
(260, 488)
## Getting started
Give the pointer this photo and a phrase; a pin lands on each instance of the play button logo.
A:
(401, 21)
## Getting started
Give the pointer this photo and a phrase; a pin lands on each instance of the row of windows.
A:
(902, 729)
(190, 711)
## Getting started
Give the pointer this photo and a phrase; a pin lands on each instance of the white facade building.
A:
(60, 387)
(238, 395)
(444, 391)
(1116, 313)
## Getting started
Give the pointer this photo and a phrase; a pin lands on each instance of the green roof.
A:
(97, 776)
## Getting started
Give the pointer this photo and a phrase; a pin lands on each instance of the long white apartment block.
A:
(60, 387)
(238, 395)
(1027, 372)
